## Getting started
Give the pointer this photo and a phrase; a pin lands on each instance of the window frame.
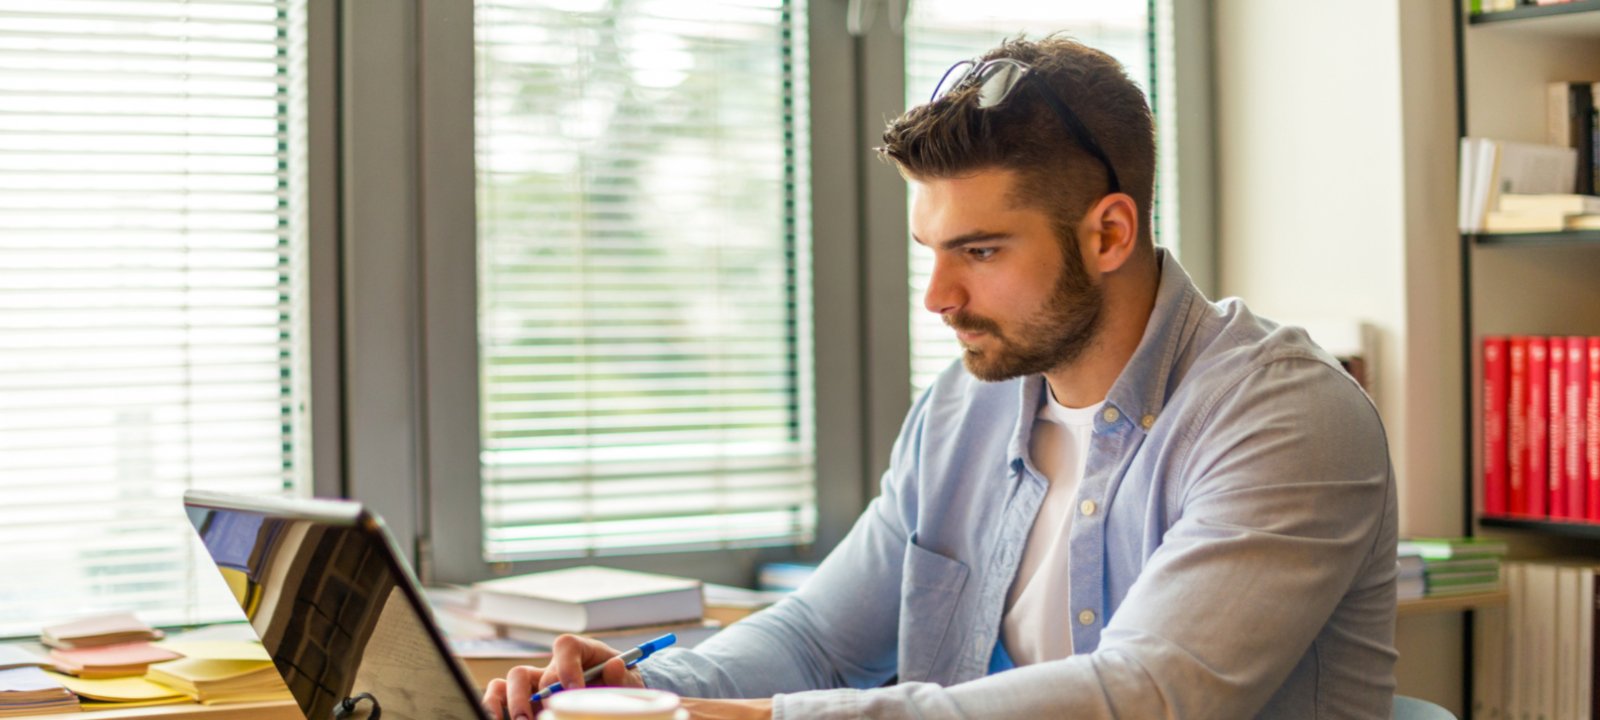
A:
(394, 286)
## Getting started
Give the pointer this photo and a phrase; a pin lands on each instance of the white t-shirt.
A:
(1037, 624)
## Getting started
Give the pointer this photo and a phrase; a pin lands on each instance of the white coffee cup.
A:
(609, 703)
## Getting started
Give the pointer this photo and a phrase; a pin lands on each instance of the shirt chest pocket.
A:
(929, 595)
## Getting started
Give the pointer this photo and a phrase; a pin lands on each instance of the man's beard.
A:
(1054, 336)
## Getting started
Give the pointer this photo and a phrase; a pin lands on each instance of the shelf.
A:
(1452, 603)
(1573, 19)
(275, 710)
(1584, 530)
(1563, 237)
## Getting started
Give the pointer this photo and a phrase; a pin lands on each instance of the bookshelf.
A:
(1568, 237)
(1523, 283)
(1555, 528)
(1576, 18)
(1452, 603)
(1539, 283)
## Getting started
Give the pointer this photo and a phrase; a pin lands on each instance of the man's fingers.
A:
(569, 657)
(494, 696)
(519, 687)
(615, 673)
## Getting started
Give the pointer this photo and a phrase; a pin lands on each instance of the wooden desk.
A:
(482, 671)
(280, 710)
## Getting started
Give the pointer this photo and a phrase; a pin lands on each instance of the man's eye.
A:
(981, 253)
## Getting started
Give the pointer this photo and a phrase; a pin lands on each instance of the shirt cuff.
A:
(818, 704)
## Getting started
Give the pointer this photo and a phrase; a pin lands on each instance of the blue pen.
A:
(629, 659)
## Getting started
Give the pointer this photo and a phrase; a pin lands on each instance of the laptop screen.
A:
(322, 584)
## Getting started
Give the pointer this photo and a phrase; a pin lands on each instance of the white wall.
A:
(1310, 221)
(1335, 164)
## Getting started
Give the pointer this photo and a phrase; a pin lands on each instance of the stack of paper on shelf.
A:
(109, 661)
(30, 691)
(1411, 583)
(97, 630)
(1544, 213)
(220, 671)
(122, 692)
(591, 600)
(1457, 566)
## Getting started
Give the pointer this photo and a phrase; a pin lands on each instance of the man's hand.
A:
(569, 657)
(728, 709)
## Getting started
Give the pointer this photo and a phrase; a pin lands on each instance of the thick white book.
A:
(589, 598)
(1559, 203)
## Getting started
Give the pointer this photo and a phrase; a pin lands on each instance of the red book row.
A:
(1541, 427)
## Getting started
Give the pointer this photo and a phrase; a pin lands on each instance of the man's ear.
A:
(1109, 233)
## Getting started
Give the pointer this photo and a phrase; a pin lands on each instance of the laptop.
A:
(336, 606)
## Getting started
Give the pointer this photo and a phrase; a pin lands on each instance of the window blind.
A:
(146, 327)
(940, 32)
(643, 309)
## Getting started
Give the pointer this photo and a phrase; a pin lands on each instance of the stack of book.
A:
(98, 631)
(214, 672)
(1492, 169)
(1519, 188)
(1457, 566)
(12, 657)
(1535, 657)
(1411, 582)
(621, 608)
(110, 661)
(30, 691)
(120, 692)
(1541, 447)
(1544, 213)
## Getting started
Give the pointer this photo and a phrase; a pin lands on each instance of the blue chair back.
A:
(1410, 708)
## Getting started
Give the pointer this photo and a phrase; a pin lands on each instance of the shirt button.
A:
(1086, 507)
(1110, 415)
(1147, 421)
(1086, 617)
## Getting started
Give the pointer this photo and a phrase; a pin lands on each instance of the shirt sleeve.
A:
(1287, 509)
(840, 630)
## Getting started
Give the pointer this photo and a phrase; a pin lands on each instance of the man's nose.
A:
(944, 294)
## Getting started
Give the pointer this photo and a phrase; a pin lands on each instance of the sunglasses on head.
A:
(995, 79)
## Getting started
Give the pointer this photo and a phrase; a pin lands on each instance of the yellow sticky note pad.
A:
(118, 690)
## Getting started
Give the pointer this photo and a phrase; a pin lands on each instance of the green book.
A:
(1467, 565)
(1444, 581)
(1452, 548)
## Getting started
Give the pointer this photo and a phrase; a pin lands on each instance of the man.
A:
(1125, 502)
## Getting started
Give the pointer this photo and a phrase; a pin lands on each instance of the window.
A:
(643, 257)
(940, 32)
(148, 339)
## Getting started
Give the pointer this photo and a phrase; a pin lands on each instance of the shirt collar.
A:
(1140, 392)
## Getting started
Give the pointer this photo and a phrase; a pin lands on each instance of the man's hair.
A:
(953, 137)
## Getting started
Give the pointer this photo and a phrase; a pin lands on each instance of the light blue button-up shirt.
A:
(1233, 555)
